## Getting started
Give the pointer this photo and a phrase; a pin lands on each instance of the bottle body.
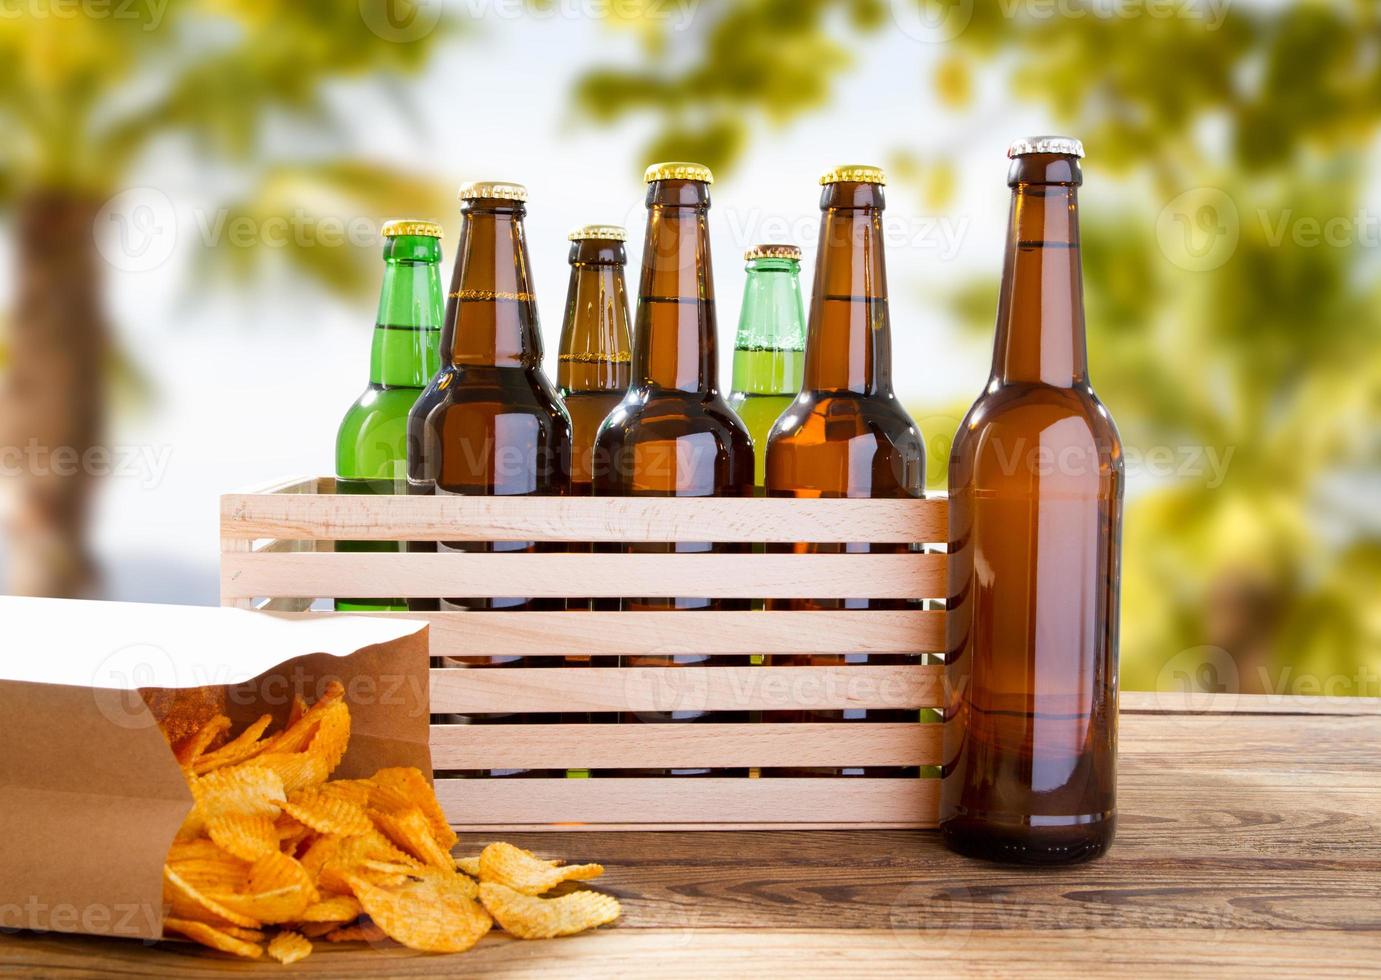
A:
(846, 434)
(371, 442)
(498, 428)
(769, 349)
(1036, 483)
(673, 434)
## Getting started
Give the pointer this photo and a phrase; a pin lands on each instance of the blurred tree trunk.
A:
(52, 410)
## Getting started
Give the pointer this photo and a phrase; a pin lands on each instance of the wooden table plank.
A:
(1249, 843)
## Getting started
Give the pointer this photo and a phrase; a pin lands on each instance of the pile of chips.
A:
(273, 855)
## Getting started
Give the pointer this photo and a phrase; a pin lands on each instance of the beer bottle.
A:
(846, 434)
(499, 428)
(592, 375)
(673, 435)
(770, 347)
(594, 361)
(371, 444)
(1035, 484)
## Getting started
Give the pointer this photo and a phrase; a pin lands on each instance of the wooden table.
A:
(1249, 842)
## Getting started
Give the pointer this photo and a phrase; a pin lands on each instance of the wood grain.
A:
(294, 515)
(905, 576)
(1249, 844)
(709, 801)
(549, 634)
(459, 690)
(683, 746)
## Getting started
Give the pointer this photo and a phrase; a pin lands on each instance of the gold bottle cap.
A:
(854, 173)
(772, 252)
(407, 226)
(1062, 145)
(500, 190)
(607, 233)
(678, 171)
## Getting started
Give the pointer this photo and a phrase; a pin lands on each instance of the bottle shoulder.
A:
(821, 418)
(663, 413)
(1037, 407)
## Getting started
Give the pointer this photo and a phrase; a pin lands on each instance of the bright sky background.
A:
(247, 388)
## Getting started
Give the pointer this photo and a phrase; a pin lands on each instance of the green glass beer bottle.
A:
(371, 444)
(770, 350)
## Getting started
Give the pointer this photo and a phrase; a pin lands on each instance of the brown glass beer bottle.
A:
(500, 428)
(673, 435)
(595, 357)
(1035, 484)
(846, 434)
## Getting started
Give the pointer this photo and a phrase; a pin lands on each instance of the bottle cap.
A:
(501, 190)
(1063, 145)
(772, 252)
(854, 173)
(407, 226)
(678, 171)
(607, 233)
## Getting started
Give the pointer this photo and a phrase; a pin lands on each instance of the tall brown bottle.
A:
(593, 366)
(594, 362)
(673, 435)
(500, 429)
(846, 434)
(1035, 483)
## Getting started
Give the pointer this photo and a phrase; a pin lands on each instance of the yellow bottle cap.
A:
(407, 226)
(854, 173)
(607, 233)
(772, 252)
(501, 190)
(678, 171)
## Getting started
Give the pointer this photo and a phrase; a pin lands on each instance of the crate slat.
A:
(460, 690)
(539, 634)
(905, 576)
(295, 515)
(689, 802)
(684, 746)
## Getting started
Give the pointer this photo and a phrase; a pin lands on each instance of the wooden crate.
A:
(276, 553)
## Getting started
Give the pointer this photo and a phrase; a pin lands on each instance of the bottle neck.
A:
(772, 316)
(596, 352)
(849, 346)
(1040, 315)
(404, 353)
(491, 304)
(674, 344)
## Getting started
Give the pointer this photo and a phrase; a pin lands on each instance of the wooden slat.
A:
(536, 634)
(683, 746)
(905, 576)
(457, 518)
(712, 802)
(458, 690)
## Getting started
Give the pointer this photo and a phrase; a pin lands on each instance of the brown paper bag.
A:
(90, 794)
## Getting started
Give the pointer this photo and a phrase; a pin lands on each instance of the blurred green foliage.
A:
(1234, 302)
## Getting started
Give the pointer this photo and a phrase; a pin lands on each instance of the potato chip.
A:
(350, 855)
(298, 709)
(332, 736)
(210, 936)
(240, 932)
(187, 901)
(297, 770)
(278, 890)
(529, 917)
(298, 733)
(404, 787)
(316, 930)
(428, 914)
(411, 831)
(360, 932)
(351, 790)
(246, 790)
(470, 865)
(239, 749)
(289, 947)
(327, 813)
(247, 836)
(191, 748)
(337, 909)
(525, 872)
(317, 854)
